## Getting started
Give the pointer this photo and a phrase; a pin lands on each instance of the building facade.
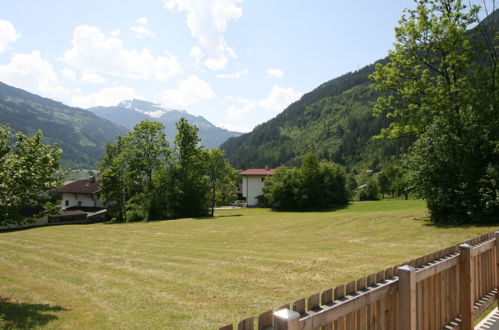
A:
(80, 193)
(252, 188)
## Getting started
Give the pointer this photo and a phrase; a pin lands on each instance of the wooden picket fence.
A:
(447, 289)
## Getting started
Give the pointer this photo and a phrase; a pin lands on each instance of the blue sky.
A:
(238, 63)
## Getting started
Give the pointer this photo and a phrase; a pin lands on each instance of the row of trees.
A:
(315, 185)
(29, 169)
(144, 178)
(440, 86)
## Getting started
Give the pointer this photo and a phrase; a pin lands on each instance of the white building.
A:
(253, 183)
(80, 193)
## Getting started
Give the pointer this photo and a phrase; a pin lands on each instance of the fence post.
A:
(286, 319)
(407, 295)
(466, 285)
(497, 266)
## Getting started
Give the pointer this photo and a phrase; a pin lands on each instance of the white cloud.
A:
(93, 51)
(241, 106)
(278, 99)
(109, 96)
(236, 128)
(189, 91)
(207, 20)
(115, 33)
(68, 74)
(8, 35)
(197, 53)
(92, 78)
(143, 21)
(31, 72)
(274, 73)
(233, 75)
(140, 30)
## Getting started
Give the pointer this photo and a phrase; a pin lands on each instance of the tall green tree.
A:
(128, 166)
(146, 151)
(115, 186)
(29, 169)
(189, 189)
(440, 85)
(220, 180)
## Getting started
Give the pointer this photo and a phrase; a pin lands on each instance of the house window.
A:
(79, 203)
(67, 202)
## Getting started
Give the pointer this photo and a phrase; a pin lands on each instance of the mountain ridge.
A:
(128, 113)
(78, 132)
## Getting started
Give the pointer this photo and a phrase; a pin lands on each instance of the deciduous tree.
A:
(219, 174)
(440, 85)
(29, 169)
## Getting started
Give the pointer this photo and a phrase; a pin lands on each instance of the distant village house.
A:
(80, 202)
(252, 188)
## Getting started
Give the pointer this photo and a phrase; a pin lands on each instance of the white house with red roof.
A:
(80, 202)
(80, 193)
(253, 184)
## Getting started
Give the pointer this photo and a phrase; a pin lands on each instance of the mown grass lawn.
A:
(203, 273)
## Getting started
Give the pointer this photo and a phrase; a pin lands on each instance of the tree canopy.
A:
(315, 185)
(29, 169)
(143, 178)
(440, 85)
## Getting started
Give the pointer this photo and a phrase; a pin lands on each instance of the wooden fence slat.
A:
(339, 292)
(436, 282)
(265, 320)
(362, 313)
(327, 298)
(419, 304)
(313, 302)
(381, 304)
(246, 324)
(299, 306)
(371, 309)
(350, 321)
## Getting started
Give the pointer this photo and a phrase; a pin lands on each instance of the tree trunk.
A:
(213, 203)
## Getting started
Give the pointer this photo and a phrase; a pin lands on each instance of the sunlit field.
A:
(203, 273)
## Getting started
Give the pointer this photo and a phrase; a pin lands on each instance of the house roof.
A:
(79, 187)
(258, 171)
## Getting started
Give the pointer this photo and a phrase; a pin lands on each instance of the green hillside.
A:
(79, 133)
(334, 121)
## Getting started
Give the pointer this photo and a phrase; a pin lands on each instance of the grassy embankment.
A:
(203, 273)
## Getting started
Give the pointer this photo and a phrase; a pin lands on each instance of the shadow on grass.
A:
(321, 210)
(173, 219)
(447, 225)
(218, 216)
(26, 316)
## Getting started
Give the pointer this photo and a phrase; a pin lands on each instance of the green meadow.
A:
(203, 273)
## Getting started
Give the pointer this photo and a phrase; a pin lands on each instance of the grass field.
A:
(203, 273)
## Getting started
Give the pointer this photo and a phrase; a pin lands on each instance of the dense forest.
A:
(334, 122)
(79, 133)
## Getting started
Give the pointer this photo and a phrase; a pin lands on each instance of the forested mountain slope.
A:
(78, 132)
(131, 112)
(334, 121)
